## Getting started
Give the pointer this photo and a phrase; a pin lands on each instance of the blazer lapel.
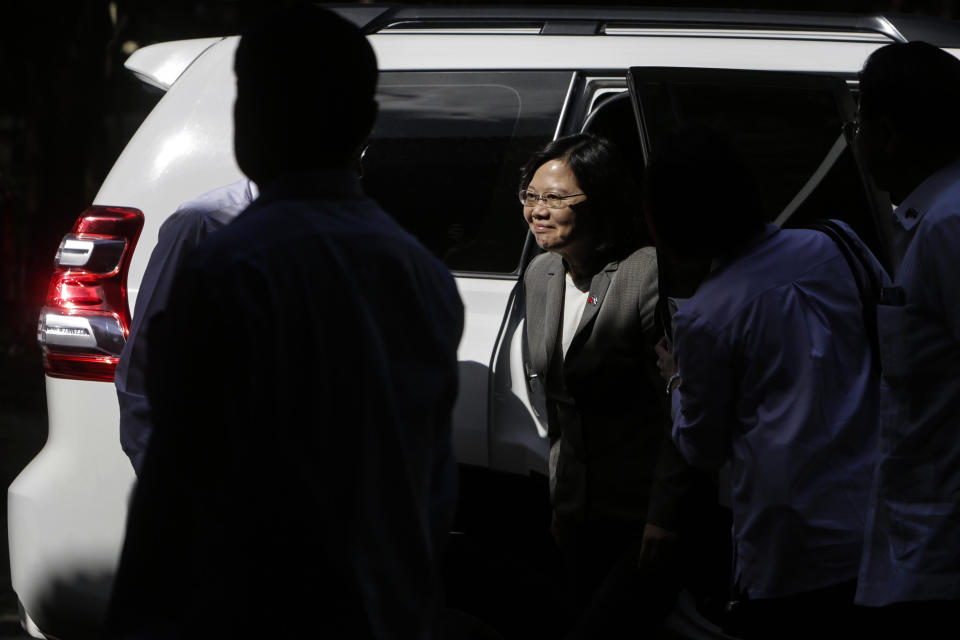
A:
(551, 316)
(598, 293)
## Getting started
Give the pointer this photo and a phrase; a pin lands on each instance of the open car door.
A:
(789, 129)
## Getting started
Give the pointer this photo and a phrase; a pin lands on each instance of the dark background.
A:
(67, 108)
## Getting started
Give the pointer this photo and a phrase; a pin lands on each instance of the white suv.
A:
(462, 91)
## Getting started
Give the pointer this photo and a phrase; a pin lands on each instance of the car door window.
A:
(784, 125)
(445, 157)
(787, 127)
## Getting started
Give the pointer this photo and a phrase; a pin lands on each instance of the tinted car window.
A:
(445, 157)
(783, 126)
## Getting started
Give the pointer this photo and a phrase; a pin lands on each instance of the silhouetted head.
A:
(305, 93)
(700, 198)
(908, 124)
(602, 220)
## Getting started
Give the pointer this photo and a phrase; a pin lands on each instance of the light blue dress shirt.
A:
(776, 377)
(179, 235)
(912, 546)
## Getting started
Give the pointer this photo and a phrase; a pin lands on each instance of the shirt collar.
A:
(913, 208)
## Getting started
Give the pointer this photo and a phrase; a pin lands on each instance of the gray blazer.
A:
(611, 454)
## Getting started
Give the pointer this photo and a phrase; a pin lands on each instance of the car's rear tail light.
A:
(85, 320)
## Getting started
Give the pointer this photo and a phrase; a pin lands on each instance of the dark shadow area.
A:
(67, 110)
(501, 565)
(11, 630)
(73, 608)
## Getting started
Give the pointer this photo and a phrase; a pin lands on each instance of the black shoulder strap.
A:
(868, 283)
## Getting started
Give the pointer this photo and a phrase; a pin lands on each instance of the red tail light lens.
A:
(86, 319)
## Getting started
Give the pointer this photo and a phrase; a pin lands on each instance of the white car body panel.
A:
(484, 303)
(67, 508)
(160, 65)
(450, 51)
(182, 149)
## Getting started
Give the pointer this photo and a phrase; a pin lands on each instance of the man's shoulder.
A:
(937, 235)
(232, 243)
(788, 255)
(209, 211)
(238, 194)
(945, 209)
(936, 198)
(778, 260)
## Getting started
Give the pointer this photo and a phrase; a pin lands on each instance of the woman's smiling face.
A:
(556, 229)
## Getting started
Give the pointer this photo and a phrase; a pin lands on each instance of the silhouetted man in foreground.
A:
(909, 137)
(300, 481)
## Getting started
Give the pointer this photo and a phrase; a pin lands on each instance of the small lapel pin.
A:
(592, 300)
(911, 213)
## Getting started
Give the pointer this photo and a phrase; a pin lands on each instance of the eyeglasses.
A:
(550, 200)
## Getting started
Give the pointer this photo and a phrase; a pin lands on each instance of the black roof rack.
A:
(555, 20)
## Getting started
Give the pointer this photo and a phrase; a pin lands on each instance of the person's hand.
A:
(665, 362)
(656, 548)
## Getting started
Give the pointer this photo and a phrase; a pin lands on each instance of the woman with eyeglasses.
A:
(615, 477)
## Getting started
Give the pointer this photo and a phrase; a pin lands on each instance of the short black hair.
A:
(916, 86)
(612, 208)
(306, 80)
(700, 197)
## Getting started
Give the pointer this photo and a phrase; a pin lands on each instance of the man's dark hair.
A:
(699, 195)
(916, 86)
(611, 209)
(306, 80)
